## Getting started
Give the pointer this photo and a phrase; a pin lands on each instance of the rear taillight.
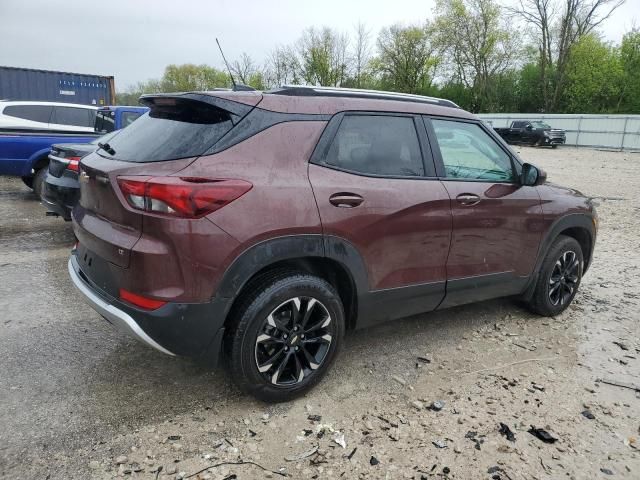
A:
(140, 301)
(189, 197)
(73, 164)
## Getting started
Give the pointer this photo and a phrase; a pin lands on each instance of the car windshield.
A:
(540, 125)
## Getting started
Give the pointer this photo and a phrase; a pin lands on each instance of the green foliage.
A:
(594, 77)
(630, 63)
(407, 59)
(323, 57)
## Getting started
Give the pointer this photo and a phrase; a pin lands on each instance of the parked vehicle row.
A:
(256, 227)
(61, 188)
(530, 132)
(29, 129)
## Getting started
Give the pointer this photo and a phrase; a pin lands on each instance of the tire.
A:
(554, 146)
(38, 181)
(559, 277)
(272, 357)
(28, 181)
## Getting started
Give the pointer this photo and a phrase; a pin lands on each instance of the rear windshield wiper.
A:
(107, 148)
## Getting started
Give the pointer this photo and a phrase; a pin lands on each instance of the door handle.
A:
(468, 199)
(345, 200)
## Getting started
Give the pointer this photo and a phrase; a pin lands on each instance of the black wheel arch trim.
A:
(574, 220)
(291, 247)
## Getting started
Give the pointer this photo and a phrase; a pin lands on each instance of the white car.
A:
(48, 116)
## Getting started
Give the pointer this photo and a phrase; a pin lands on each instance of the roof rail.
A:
(311, 91)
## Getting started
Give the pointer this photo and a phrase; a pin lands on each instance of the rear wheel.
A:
(38, 181)
(285, 335)
(559, 277)
(28, 181)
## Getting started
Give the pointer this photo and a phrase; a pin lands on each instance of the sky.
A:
(134, 40)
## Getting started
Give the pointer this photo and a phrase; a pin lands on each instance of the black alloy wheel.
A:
(294, 341)
(564, 278)
(284, 334)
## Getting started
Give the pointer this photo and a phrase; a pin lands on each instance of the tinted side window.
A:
(77, 117)
(36, 113)
(378, 145)
(469, 152)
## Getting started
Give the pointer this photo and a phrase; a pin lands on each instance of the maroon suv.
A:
(259, 226)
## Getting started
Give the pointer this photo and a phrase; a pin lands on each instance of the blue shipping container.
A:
(50, 86)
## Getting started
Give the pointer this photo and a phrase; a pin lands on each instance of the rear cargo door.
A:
(162, 142)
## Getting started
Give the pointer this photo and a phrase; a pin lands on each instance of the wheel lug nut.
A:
(296, 349)
(302, 336)
(286, 349)
(285, 336)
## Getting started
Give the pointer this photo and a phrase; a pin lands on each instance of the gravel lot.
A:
(80, 400)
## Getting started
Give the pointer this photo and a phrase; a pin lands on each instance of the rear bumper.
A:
(60, 195)
(192, 330)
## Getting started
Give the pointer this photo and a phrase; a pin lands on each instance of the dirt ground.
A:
(80, 400)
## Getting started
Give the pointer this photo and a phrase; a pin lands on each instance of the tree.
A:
(479, 46)
(594, 77)
(248, 73)
(323, 57)
(282, 67)
(361, 53)
(630, 63)
(558, 25)
(406, 60)
(177, 78)
(190, 77)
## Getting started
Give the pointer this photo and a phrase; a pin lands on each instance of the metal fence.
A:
(620, 132)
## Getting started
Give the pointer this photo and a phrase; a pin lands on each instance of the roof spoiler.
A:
(237, 110)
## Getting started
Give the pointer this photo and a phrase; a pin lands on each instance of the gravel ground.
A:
(421, 398)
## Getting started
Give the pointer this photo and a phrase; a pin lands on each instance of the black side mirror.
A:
(532, 176)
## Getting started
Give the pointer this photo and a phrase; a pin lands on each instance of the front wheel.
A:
(285, 335)
(559, 277)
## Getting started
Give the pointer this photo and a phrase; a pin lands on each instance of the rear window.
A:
(183, 129)
(35, 113)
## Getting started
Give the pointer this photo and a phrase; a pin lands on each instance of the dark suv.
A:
(259, 226)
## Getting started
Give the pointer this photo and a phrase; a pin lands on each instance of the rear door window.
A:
(183, 129)
(377, 145)
(35, 113)
(76, 117)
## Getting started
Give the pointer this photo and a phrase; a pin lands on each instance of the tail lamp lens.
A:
(187, 197)
(73, 164)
